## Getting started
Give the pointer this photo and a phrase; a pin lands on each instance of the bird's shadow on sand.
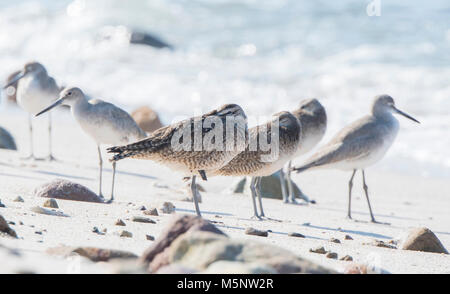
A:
(362, 233)
(203, 212)
(367, 214)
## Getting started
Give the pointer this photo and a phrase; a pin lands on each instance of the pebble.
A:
(294, 234)
(379, 243)
(126, 234)
(150, 237)
(347, 258)
(334, 240)
(96, 230)
(151, 211)
(18, 199)
(319, 250)
(119, 222)
(256, 232)
(51, 203)
(38, 232)
(1, 204)
(141, 219)
(332, 255)
(348, 237)
(167, 207)
(142, 207)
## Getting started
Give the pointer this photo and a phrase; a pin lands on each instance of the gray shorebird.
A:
(257, 162)
(104, 122)
(35, 90)
(360, 144)
(313, 119)
(194, 146)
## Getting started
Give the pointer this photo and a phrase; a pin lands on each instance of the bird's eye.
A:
(70, 93)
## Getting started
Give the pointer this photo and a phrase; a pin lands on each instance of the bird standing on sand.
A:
(313, 119)
(256, 162)
(194, 146)
(360, 144)
(102, 121)
(35, 90)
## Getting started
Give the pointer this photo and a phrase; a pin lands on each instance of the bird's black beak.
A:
(57, 102)
(15, 79)
(405, 114)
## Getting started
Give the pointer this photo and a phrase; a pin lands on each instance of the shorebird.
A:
(313, 119)
(104, 122)
(35, 90)
(256, 162)
(360, 144)
(194, 146)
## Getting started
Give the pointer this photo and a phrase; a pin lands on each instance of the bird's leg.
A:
(194, 195)
(283, 186)
(50, 156)
(100, 164)
(366, 191)
(203, 175)
(113, 178)
(258, 192)
(350, 186)
(253, 190)
(30, 128)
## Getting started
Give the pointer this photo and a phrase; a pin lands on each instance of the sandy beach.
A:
(403, 201)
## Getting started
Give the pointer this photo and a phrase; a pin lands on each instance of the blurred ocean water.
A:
(264, 55)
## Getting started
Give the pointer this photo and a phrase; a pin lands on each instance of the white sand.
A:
(402, 201)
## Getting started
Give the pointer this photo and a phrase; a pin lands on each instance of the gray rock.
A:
(41, 210)
(126, 234)
(348, 237)
(332, 255)
(346, 258)
(1, 204)
(270, 187)
(18, 199)
(256, 232)
(119, 222)
(319, 250)
(334, 240)
(294, 234)
(7, 140)
(141, 219)
(4, 228)
(423, 239)
(67, 190)
(51, 203)
(150, 237)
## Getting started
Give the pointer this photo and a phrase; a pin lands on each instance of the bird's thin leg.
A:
(113, 178)
(283, 186)
(350, 186)
(258, 192)
(100, 164)
(366, 190)
(50, 156)
(253, 190)
(194, 195)
(30, 128)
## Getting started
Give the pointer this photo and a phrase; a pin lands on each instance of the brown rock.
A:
(423, 239)
(332, 255)
(294, 234)
(156, 256)
(334, 240)
(147, 119)
(141, 219)
(51, 203)
(346, 258)
(151, 211)
(67, 190)
(4, 228)
(348, 237)
(379, 243)
(256, 232)
(319, 250)
(93, 253)
(120, 222)
(126, 234)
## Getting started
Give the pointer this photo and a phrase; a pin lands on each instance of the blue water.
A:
(264, 55)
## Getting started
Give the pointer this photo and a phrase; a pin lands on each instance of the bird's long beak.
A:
(405, 114)
(57, 102)
(15, 79)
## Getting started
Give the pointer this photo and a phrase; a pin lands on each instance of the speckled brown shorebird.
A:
(313, 119)
(257, 162)
(360, 144)
(195, 146)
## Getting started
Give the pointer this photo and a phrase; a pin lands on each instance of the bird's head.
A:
(68, 96)
(386, 104)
